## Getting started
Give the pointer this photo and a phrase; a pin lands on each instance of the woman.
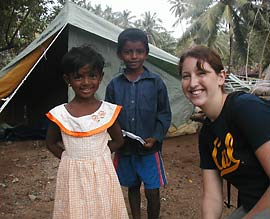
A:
(234, 142)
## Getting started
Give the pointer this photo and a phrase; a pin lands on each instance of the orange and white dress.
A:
(87, 186)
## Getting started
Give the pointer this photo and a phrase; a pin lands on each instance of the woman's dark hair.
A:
(203, 54)
(134, 35)
(77, 57)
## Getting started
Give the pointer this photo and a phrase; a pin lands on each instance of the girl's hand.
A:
(149, 142)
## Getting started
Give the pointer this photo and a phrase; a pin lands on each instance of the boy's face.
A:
(133, 55)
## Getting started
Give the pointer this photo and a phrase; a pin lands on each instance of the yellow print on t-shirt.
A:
(228, 163)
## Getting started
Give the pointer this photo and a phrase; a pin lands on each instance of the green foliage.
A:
(167, 42)
(152, 26)
(21, 21)
(236, 29)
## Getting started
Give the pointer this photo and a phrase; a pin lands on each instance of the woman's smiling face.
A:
(200, 84)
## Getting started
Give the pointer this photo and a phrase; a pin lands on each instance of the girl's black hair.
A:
(77, 57)
(134, 35)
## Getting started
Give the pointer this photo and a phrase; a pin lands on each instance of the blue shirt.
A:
(146, 109)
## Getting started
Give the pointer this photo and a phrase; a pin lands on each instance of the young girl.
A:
(234, 141)
(87, 185)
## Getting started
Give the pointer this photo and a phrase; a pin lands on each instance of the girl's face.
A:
(85, 82)
(201, 86)
(133, 55)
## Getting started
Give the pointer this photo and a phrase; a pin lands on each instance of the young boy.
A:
(146, 112)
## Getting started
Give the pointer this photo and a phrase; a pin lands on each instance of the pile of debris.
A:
(262, 89)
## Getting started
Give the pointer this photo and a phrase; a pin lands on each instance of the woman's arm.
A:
(212, 197)
(52, 139)
(116, 137)
(262, 208)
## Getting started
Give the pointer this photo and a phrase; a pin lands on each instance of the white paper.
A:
(133, 136)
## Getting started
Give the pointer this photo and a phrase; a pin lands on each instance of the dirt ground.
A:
(28, 175)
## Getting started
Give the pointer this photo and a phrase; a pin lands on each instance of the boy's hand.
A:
(149, 142)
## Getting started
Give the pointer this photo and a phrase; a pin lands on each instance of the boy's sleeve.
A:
(109, 94)
(164, 115)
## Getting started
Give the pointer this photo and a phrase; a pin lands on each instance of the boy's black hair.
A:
(78, 57)
(132, 34)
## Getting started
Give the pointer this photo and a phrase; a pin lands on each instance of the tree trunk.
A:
(264, 46)
(249, 41)
(230, 58)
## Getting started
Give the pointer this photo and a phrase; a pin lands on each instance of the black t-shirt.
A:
(228, 144)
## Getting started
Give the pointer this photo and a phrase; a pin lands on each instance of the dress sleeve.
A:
(116, 113)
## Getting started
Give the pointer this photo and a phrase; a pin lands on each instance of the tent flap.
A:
(15, 75)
